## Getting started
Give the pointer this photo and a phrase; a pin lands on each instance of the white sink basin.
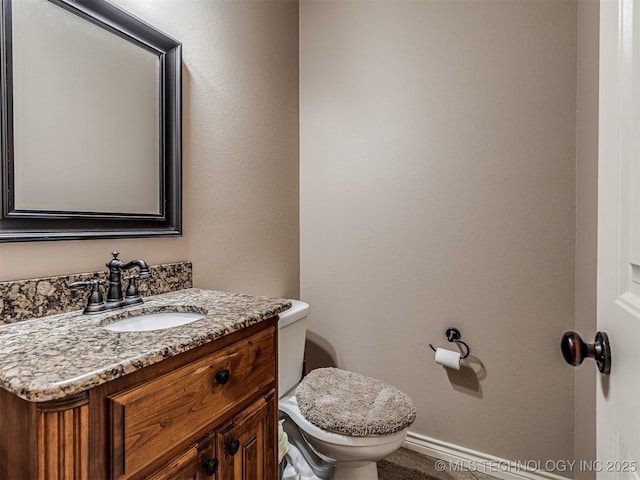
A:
(153, 321)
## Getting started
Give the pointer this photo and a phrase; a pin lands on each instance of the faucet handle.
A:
(144, 274)
(95, 302)
(132, 295)
(93, 284)
(75, 286)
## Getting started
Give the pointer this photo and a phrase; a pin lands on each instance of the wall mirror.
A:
(91, 123)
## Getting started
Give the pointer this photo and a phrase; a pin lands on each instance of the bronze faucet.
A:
(115, 299)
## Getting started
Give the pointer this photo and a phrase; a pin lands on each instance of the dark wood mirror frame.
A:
(39, 226)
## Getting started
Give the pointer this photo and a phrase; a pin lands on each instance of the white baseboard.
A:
(456, 457)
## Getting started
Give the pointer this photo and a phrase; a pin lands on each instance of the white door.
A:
(618, 395)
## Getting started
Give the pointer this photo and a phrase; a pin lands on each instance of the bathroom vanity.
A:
(194, 401)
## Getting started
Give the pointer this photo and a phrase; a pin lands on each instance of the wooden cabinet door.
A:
(199, 462)
(150, 420)
(246, 445)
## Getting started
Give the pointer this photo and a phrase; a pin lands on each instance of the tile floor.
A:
(427, 465)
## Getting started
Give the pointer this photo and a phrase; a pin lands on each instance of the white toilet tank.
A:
(292, 330)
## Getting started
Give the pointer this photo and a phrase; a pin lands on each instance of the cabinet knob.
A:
(222, 376)
(233, 446)
(210, 466)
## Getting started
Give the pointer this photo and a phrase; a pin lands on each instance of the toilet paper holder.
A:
(454, 335)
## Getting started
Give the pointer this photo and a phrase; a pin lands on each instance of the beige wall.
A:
(437, 189)
(240, 154)
(437, 144)
(586, 223)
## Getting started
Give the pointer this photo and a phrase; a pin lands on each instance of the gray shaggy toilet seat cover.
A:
(352, 404)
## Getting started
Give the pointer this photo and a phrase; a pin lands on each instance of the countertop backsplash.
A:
(39, 297)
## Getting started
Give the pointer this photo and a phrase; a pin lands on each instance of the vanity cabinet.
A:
(239, 450)
(208, 413)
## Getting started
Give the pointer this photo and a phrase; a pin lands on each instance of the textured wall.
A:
(240, 153)
(437, 177)
(437, 144)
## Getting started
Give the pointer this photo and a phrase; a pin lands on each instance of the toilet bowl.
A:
(352, 458)
(350, 445)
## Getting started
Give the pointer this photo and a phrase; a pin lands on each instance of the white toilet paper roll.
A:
(448, 358)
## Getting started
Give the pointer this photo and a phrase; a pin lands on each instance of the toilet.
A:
(341, 422)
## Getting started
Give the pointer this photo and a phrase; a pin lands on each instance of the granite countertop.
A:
(53, 357)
